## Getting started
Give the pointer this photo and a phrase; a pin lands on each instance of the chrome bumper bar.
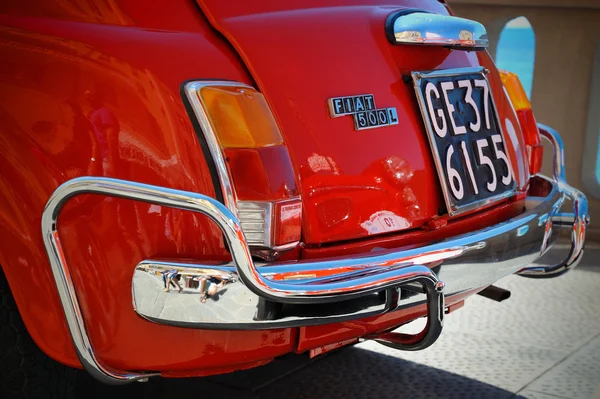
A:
(246, 295)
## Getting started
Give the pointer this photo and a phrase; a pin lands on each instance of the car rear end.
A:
(377, 169)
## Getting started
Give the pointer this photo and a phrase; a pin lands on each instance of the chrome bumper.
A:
(246, 295)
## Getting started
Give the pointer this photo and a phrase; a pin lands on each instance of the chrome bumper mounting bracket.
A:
(431, 332)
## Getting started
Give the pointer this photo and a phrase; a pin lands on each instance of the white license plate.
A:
(465, 136)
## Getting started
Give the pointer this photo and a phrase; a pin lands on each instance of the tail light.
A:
(252, 162)
(522, 107)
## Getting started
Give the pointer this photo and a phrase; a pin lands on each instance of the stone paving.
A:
(542, 343)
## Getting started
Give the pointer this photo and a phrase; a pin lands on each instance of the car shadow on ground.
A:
(348, 373)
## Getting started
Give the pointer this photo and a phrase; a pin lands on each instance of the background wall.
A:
(567, 35)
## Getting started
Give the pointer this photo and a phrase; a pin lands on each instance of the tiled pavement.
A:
(543, 343)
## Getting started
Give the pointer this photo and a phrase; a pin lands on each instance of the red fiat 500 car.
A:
(249, 179)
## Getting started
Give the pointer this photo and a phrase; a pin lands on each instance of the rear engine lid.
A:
(317, 60)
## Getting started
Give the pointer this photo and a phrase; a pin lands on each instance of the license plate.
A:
(465, 137)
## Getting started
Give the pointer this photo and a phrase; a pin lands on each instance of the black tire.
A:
(25, 371)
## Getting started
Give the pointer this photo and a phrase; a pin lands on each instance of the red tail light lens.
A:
(288, 222)
(527, 121)
(264, 182)
(532, 139)
(257, 162)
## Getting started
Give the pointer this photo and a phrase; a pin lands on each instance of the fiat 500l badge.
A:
(362, 108)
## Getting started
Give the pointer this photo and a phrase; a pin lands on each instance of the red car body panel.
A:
(95, 90)
(303, 53)
(50, 67)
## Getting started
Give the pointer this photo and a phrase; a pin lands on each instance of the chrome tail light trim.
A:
(191, 90)
(261, 246)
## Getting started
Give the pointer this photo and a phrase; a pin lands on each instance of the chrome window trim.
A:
(422, 28)
(452, 209)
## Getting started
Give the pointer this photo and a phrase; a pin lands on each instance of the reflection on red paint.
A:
(93, 88)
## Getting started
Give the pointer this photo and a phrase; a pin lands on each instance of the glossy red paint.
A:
(101, 96)
(94, 89)
(213, 371)
(348, 187)
(417, 238)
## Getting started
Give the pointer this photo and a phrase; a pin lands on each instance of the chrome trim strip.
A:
(417, 27)
(192, 91)
(212, 297)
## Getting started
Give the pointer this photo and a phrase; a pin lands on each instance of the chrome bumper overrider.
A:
(247, 295)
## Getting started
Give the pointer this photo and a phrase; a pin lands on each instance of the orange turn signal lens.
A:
(240, 117)
(515, 90)
(522, 107)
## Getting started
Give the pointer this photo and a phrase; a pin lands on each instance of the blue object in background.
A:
(516, 51)
(598, 160)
